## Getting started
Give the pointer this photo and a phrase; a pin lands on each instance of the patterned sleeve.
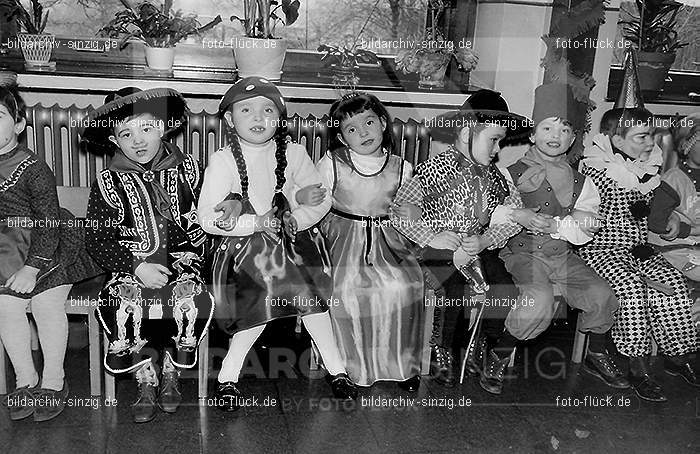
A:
(102, 233)
(419, 231)
(502, 227)
(43, 199)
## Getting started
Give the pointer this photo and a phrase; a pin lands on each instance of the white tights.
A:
(319, 328)
(49, 311)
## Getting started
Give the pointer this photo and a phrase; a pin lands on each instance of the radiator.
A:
(53, 133)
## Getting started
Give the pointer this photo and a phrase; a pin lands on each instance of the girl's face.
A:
(637, 143)
(255, 119)
(9, 129)
(485, 144)
(139, 138)
(553, 137)
(694, 155)
(363, 133)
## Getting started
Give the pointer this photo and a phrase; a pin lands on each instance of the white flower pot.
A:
(37, 49)
(160, 58)
(259, 57)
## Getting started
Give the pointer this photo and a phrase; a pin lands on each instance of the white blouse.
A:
(221, 178)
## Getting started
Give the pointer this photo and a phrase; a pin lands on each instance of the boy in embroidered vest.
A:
(147, 237)
(623, 161)
(460, 192)
(541, 257)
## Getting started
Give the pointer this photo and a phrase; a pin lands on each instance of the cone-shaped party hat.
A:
(630, 93)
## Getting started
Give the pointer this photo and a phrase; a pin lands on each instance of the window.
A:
(333, 22)
(688, 20)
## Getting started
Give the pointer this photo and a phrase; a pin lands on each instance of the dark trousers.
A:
(502, 294)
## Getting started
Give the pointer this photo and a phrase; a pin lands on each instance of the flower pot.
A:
(434, 80)
(259, 57)
(653, 68)
(344, 76)
(160, 58)
(37, 49)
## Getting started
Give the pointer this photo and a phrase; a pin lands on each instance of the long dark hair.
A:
(279, 201)
(349, 106)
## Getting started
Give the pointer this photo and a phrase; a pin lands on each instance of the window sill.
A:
(676, 92)
(208, 74)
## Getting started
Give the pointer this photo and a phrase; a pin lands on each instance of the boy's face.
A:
(139, 138)
(255, 119)
(363, 132)
(694, 154)
(637, 143)
(9, 129)
(553, 136)
(485, 143)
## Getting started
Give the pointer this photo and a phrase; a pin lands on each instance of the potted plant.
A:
(36, 45)
(259, 53)
(431, 56)
(159, 29)
(343, 63)
(653, 33)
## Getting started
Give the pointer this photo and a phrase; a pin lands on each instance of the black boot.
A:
(227, 397)
(681, 366)
(640, 379)
(144, 409)
(343, 388)
(475, 356)
(442, 366)
(492, 376)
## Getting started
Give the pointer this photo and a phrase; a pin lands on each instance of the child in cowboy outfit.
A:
(462, 195)
(155, 306)
(541, 255)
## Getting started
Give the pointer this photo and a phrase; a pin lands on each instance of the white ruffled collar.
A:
(626, 173)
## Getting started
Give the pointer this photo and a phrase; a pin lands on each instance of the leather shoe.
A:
(685, 371)
(646, 388)
(170, 396)
(411, 385)
(20, 402)
(602, 366)
(492, 376)
(227, 397)
(342, 387)
(144, 409)
(441, 366)
(50, 403)
(475, 356)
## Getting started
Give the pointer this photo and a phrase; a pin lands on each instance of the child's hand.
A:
(473, 245)
(407, 211)
(230, 209)
(152, 275)
(672, 228)
(24, 280)
(588, 222)
(446, 240)
(311, 195)
(268, 222)
(290, 225)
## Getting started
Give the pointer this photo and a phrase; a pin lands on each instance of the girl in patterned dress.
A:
(270, 264)
(624, 162)
(377, 282)
(40, 257)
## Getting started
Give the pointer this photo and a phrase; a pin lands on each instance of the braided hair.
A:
(279, 201)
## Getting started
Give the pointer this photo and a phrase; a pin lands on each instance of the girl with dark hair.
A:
(267, 265)
(39, 260)
(378, 322)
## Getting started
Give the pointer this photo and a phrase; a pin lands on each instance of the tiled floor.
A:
(528, 417)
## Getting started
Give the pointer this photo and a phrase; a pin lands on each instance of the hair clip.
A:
(351, 95)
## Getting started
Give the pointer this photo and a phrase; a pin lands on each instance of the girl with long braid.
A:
(270, 262)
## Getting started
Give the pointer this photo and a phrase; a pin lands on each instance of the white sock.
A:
(240, 345)
(321, 332)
